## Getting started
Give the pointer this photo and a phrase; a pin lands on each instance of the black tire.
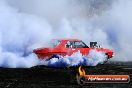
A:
(55, 56)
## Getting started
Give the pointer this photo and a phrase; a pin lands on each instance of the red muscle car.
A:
(65, 47)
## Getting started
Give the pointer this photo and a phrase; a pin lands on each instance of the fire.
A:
(81, 71)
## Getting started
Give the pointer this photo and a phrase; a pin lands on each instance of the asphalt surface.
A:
(47, 77)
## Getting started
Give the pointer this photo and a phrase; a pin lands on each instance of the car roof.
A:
(68, 39)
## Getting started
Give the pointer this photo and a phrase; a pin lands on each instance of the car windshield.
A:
(54, 43)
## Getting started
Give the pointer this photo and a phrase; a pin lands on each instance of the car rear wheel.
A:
(55, 56)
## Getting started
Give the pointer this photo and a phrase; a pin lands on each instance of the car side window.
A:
(80, 44)
(69, 44)
(76, 44)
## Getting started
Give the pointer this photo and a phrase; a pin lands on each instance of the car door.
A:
(69, 48)
(80, 46)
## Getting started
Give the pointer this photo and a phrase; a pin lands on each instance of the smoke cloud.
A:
(28, 24)
(92, 59)
(18, 32)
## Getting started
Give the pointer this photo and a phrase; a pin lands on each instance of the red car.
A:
(68, 47)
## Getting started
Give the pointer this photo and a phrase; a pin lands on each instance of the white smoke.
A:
(18, 33)
(26, 24)
(92, 59)
(117, 23)
(12, 60)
